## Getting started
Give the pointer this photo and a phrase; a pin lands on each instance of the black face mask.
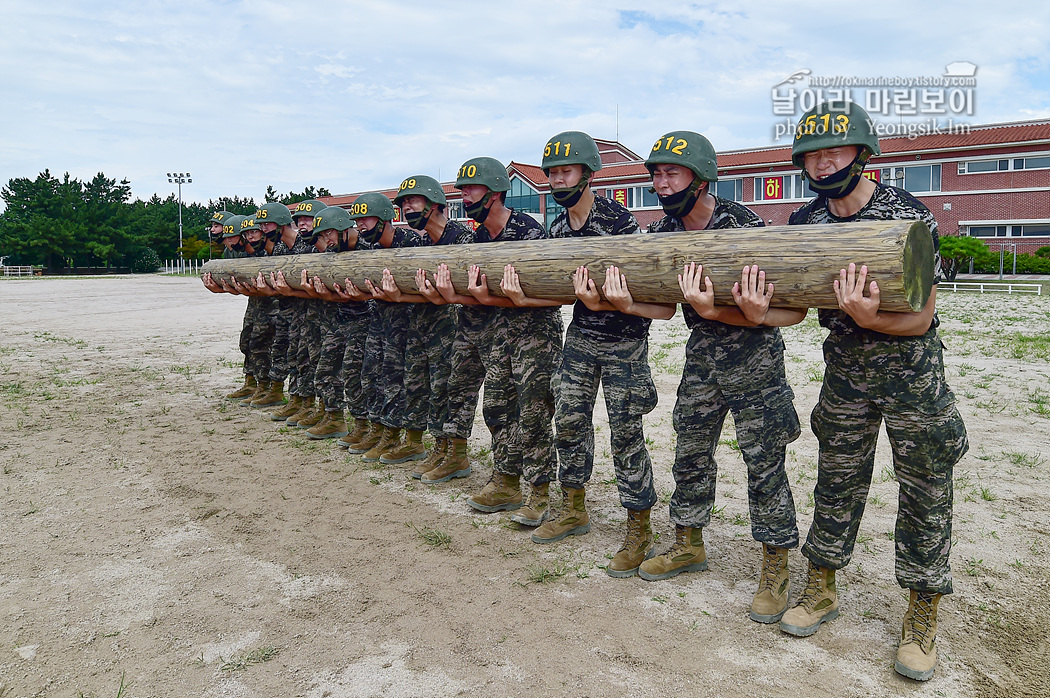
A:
(477, 211)
(571, 196)
(843, 182)
(681, 203)
(274, 235)
(417, 219)
(372, 236)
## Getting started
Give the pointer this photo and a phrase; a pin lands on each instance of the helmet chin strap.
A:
(571, 196)
(842, 183)
(477, 210)
(681, 203)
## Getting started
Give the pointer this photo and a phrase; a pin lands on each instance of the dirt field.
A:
(151, 531)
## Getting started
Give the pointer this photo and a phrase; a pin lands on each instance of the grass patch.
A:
(432, 536)
(256, 656)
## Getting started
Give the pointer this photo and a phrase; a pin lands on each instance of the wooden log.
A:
(802, 261)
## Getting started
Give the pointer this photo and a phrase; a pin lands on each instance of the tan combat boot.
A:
(389, 439)
(283, 413)
(431, 461)
(819, 603)
(274, 395)
(315, 416)
(356, 434)
(369, 439)
(571, 519)
(331, 426)
(536, 508)
(686, 555)
(771, 599)
(501, 493)
(306, 408)
(638, 546)
(245, 390)
(261, 388)
(455, 464)
(917, 653)
(411, 448)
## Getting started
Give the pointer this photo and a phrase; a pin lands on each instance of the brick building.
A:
(992, 183)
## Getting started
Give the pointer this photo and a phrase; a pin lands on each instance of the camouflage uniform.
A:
(260, 326)
(338, 373)
(511, 350)
(246, 328)
(387, 334)
(870, 377)
(286, 324)
(738, 369)
(612, 348)
(428, 355)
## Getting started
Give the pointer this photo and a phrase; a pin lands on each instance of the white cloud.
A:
(354, 96)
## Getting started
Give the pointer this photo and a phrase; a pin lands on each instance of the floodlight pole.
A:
(180, 178)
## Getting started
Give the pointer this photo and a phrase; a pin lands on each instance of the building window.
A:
(1039, 229)
(522, 197)
(732, 189)
(914, 178)
(988, 231)
(1041, 162)
(454, 210)
(782, 187)
(1004, 231)
(633, 197)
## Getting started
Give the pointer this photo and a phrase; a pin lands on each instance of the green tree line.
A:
(63, 222)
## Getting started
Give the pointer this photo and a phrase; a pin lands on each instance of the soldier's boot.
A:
(638, 546)
(390, 438)
(245, 390)
(356, 434)
(819, 603)
(432, 461)
(261, 387)
(273, 396)
(686, 555)
(917, 652)
(456, 463)
(315, 416)
(771, 599)
(411, 448)
(306, 408)
(501, 493)
(369, 439)
(331, 426)
(570, 520)
(536, 508)
(291, 407)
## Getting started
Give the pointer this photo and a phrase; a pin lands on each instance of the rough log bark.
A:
(802, 261)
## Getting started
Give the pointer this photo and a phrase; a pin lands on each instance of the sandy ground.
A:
(155, 536)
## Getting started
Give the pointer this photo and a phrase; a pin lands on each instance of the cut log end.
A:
(917, 263)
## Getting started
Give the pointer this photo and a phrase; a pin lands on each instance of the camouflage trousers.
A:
(328, 376)
(356, 334)
(428, 362)
(283, 312)
(387, 337)
(622, 368)
(243, 341)
(519, 399)
(260, 339)
(740, 370)
(868, 379)
(469, 362)
(309, 337)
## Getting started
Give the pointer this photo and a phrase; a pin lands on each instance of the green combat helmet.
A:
(834, 125)
(429, 189)
(331, 218)
(232, 226)
(309, 207)
(274, 213)
(687, 149)
(217, 217)
(372, 204)
(571, 148)
(488, 172)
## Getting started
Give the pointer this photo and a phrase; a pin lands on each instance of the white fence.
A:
(183, 266)
(990, 287)
(18, 271)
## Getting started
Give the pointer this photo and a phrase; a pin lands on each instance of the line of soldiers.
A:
(402, 364)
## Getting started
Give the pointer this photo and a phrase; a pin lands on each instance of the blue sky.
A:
(358, 95)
